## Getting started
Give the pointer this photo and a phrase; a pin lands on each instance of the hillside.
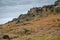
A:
(39, 23)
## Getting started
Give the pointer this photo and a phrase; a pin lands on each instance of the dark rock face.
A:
(57, 9)
(35, 11)
(6, 37)
(14, 19)
(57, 3)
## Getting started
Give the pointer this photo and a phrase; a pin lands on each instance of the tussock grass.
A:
(42, 38)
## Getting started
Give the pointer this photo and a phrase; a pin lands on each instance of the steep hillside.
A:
(40, 23)
(38, 27)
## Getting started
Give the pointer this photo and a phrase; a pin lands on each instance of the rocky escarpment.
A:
(39, 12)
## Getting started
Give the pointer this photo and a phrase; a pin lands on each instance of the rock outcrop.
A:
(39, 11)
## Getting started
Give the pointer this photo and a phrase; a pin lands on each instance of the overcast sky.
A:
(10, 9)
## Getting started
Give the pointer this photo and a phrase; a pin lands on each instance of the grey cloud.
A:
(14, 2)
(45, 1)
(2, 21)
(13, 11)
(22, 2)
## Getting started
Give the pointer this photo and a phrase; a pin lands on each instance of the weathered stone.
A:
(24, 31)
(6, 37)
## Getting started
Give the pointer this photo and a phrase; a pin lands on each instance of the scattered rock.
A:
(6, 37)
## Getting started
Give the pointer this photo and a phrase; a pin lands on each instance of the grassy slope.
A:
(42, 38)
(45, 28)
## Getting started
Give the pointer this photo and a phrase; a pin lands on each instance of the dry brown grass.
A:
(49, 25)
